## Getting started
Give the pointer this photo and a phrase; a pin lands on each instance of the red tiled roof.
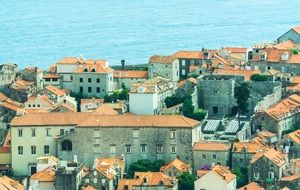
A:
(236, 49)
(162, 59)
(130, 74)
(210, 146)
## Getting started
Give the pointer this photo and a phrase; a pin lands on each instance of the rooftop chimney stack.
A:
(123, 64)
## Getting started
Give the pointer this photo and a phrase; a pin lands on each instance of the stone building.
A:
(187, 88)
(33, 136)
(53, 79)
(86, 77)
(148, 98)
(127, 77)
(7, 73)
(164, 66)
(152, 137)
(175, 168)
(218, 177)
(279, 118)
(234, 53)
(293, 34)
(267, 167)
(206, 153)
(242, 153)
(193, 58)
(105, 174)
(291, 143)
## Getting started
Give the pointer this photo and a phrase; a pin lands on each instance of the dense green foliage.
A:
(241, 176)
(121, 94)
(172, 101)
(258, 77)
(294, 51)
(186, 181)
(188, 110)
(144, 165)
(242, 94)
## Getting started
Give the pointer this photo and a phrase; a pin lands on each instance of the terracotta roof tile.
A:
(236, 49)
(51, 76)
(89, 188)
(286, 45)
(210, 146)
(92, 100)
(295, 79)
(162, 59)
(3, 97)
(246, 73)
(7, 183)
(222, 171)
(251, 186)
(178, 164)
(248, 147)
(47, 175)
(130, 74)
(295, 136)
(294, 59)
(290, 178)
(274, 156)
(188, 54)
(105, 109)
(139, 121)
(55, 90)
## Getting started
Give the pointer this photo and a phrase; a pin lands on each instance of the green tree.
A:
(186, 181)
(187, 107)
(259, 77)
(144, 165)
(242, 94)
(199, 114)
(172, 100)
(241, 176)
(294, 51)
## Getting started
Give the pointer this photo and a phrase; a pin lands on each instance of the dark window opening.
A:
(66, 145)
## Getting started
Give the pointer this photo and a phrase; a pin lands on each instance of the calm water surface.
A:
(40, 32)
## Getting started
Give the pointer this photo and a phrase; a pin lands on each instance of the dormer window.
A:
(141, 89)
(284, 56)
(93, 70)
(263, 57)
(85, 70)
(220, 65)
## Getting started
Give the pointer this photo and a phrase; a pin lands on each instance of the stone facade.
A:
(7, 73)
(293, 34)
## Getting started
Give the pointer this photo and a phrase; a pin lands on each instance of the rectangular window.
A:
(81, 89)
(33, 150)
(159, 148)
(98, 80)
(203, 156)
(215, 109)
(80, 79)
(46, 149)
(71, 77)
(143, 147)
(20, 150)
(214, 156)
(173, 149)
(89, 89)
(89, 80)
(128, 148)
(135, 133)
(172, 134)
(97, 133)
(54, 80)
(48, 132)
(20, 132)
(62, 132)
(96, 148)
(98, 89)
(112, 149)
(33, 132)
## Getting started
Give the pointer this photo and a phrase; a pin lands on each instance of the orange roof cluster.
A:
(55, 90)
(288, 105)
(251, 186)
(295, 136)
(3, 97)
(295, 79)
(176, 163)
(9, 104)
(263, 137)
(236, 49)
(275, 55)
(93, 69)
(32, 69)
(105, 109)
(80, 60)
(210, 146)
(286, 45)
(86, 119)
(273, 155)
(248, 147)
(154, 85)
(7, 183)
(65, 106)
(22, 84)
(188, 54)
(130, 74)
(294, 88)
(162, 59)
(106, 166)
(246, 73)
(46, 175)
(183, 82)
(92, 100)
(221, 171)
(218, 61)
(5, 148)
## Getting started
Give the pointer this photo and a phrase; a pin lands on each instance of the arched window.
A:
(66, 145)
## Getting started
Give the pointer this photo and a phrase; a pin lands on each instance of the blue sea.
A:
(40, 32)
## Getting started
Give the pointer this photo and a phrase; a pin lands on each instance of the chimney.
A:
(75, 159)
(123, 64)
